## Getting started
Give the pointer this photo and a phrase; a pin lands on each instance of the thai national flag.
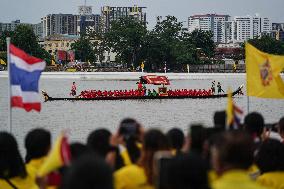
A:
(25, 71)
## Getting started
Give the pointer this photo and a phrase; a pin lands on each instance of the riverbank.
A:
(130, 75)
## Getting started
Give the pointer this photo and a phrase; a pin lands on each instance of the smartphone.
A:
(162, 164)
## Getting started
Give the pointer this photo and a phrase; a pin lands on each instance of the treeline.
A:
(24, 38)
(168, 43)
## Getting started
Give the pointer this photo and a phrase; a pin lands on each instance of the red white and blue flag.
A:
(25, 71)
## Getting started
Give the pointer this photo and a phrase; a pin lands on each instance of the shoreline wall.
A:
(129, 75)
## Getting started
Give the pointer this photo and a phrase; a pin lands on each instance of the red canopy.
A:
(156, 80)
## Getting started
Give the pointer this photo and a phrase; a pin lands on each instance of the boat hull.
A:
(48, 98)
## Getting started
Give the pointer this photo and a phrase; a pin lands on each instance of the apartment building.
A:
(109, 14)
(208, 22)
(59, 24)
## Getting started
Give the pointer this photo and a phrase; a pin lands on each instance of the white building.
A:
(208, 22)
(243, 28)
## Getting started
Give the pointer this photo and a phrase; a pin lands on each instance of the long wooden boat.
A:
(49, 98)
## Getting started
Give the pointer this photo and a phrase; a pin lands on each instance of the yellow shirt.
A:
(273, 180)
(20, 183)
(236, 179)
(33, 166)
(131, 177)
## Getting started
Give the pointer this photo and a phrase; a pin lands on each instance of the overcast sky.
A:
(30, 11)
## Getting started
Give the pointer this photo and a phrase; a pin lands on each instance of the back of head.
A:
(197, 137)
(11, 162)
(88, 172)
(188, 171)
(78, 149)
(176, 138)
(154, 141)
(99, 141)
(270, 156)
(233, 150)
(37, 143)
(220, 120)
(254, 123)
(129, 129)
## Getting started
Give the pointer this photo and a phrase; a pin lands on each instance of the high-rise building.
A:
(109, 14)
(278, 31)
(86, 20)
(59, 24)
(208, 22)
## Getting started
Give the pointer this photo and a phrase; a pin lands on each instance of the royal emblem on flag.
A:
(265, 73)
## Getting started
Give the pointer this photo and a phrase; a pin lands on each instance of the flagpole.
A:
(8, 39)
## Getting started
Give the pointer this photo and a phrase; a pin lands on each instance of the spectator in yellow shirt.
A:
(270, 162)
(232, 155)
(141, 175)
(13, 173)
(37, 144)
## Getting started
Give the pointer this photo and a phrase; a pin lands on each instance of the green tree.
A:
(268, 44)
(84, 49)
(203, 41)
(24, 38)
(126, 37)
(99, 43)
(167, 35)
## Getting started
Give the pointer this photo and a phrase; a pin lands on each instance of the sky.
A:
(30, 11)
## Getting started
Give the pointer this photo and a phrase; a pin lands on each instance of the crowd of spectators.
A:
(219, 157)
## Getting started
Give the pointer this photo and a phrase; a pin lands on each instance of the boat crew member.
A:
(219, 88)
(73, 89)
(140, 87)
(213, 87)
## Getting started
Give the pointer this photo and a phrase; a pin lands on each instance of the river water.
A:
(80, 118)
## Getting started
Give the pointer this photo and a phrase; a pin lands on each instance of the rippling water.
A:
(82, 117)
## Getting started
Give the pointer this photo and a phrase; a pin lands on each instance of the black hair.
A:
(176, 138)
(254, 123)
(220, 120)
(188, 172)
(130, 130)
(198, 137)
(11, 162)
(235, 149)
(155, 140)
(37, 143)
(270, 156)
(88, 172)
(98, 141)
(78, 149)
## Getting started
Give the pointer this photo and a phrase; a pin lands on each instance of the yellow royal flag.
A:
(230, 109)
(58, 156)
(263, 73)
(2, 62)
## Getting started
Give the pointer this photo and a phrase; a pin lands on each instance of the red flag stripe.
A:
(17, 101)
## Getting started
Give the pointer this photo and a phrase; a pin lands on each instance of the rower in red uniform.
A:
(73, 89)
